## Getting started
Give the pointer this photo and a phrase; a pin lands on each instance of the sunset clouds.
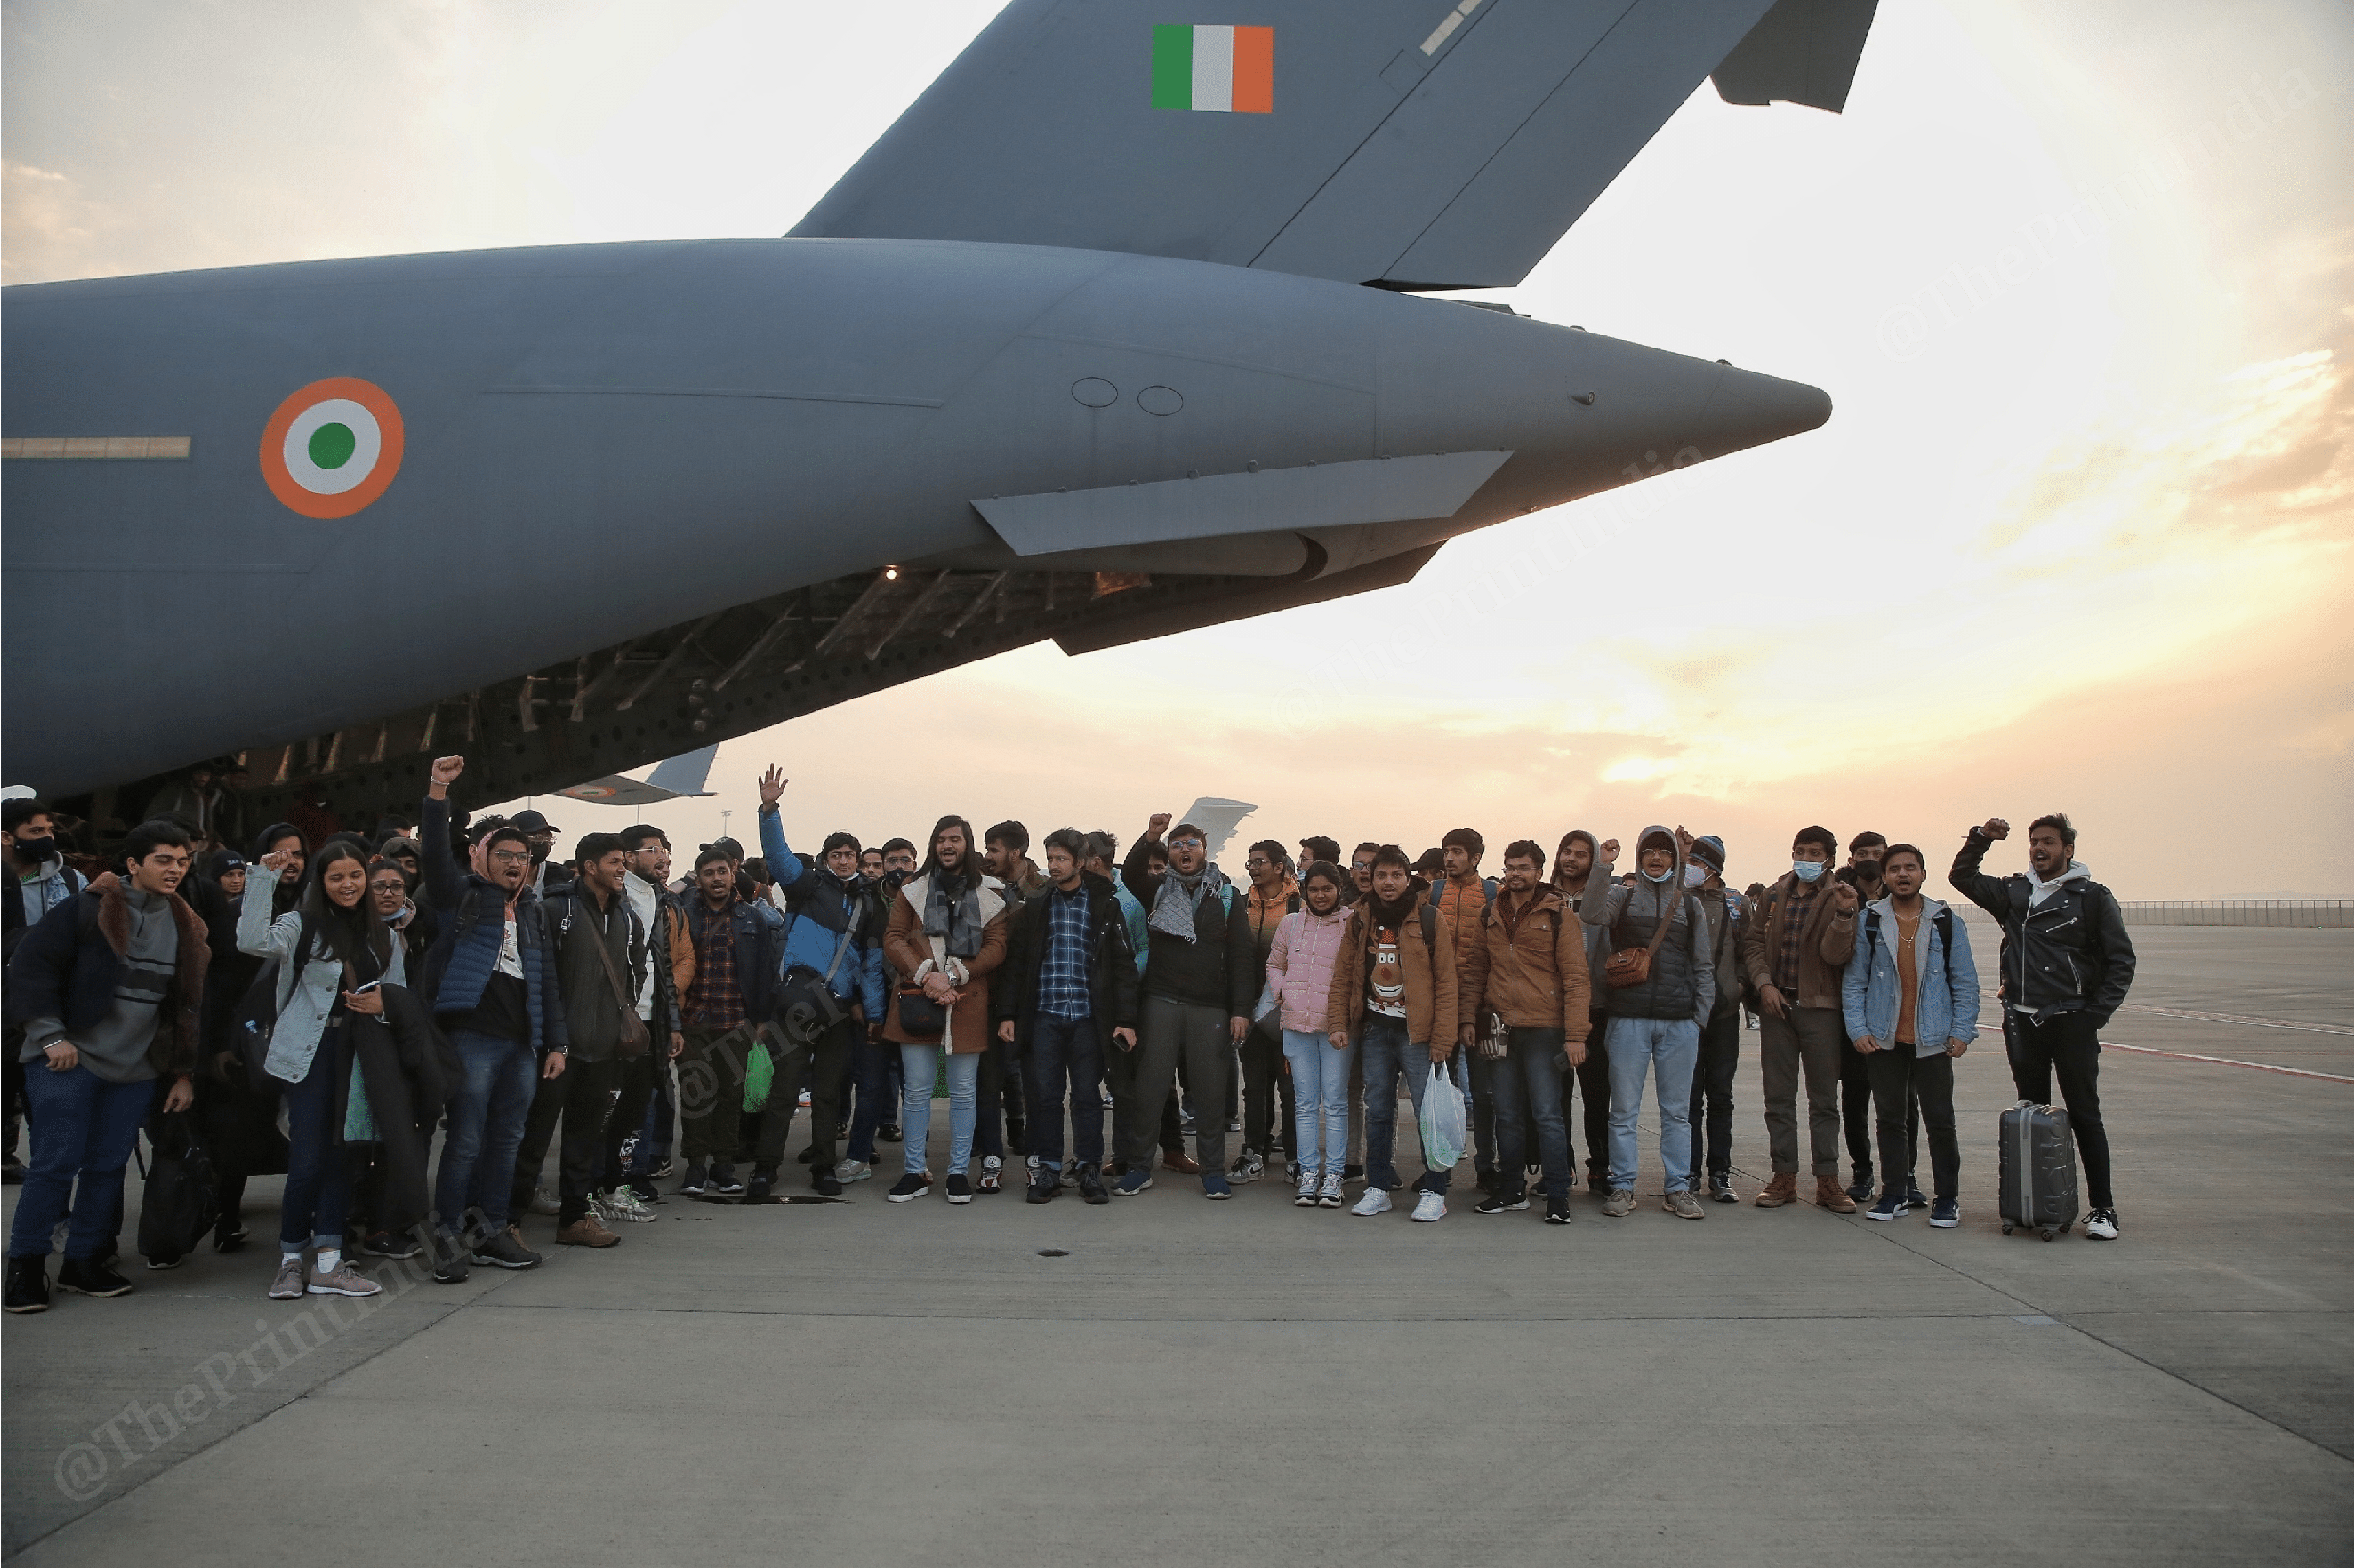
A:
(2076, 276)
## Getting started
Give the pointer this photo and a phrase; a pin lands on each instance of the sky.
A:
(2075, 274)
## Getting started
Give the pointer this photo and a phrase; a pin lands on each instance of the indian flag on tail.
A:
(1231, 70)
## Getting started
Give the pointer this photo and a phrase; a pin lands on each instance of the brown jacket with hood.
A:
(1432, 1011)
(1529, 966)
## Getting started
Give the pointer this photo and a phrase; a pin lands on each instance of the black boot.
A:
(28, 1284)
(90, 1276)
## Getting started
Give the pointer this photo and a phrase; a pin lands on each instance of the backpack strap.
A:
(1430, 929)
(1227, 898)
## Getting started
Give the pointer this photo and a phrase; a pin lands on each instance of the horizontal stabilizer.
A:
(1802, 51)
(1330, 495)
(1414, 143)
(686, 773)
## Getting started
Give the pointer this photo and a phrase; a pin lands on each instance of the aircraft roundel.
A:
(333, 447)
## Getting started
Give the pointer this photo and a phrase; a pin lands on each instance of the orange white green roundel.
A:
(332, 448)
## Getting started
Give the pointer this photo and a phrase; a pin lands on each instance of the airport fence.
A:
(2308, 913)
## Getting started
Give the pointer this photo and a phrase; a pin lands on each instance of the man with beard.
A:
(1862, 872)
(1528, 971)
(1573, 870)
(1199, 983)
(831, 943)
(1802, 933)
(646, 1081)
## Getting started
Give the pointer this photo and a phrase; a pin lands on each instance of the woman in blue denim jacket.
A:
(1911, 999)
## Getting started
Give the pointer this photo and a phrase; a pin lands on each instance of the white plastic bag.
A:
(1443, 1121)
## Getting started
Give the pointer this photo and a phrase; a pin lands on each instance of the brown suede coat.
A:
(909, 951)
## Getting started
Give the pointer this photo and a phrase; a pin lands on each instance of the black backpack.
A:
(250, 1027)
(182, 1197)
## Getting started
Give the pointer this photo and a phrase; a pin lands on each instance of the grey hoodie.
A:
(1687, 972)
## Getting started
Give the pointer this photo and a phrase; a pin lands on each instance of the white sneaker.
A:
(1431, 1206)
(1248, 1167)
(1328, 1194)
(623, 1205)
(543, 1202)
(848, 1170)
(1307, 1195)
(1373, 1200)
(2102, 1224)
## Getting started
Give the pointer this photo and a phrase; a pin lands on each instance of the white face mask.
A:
(1696, 875)
(1807, 870)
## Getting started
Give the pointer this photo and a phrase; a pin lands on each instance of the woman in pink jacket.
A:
(1299, 977)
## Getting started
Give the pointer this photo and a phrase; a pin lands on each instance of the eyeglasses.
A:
(1189, 844)
(1361, 865)
(1257, 865)
(510, 857)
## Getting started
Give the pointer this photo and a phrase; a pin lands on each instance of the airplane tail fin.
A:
(1408, 143)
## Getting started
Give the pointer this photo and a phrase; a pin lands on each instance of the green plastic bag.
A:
(759, 1075)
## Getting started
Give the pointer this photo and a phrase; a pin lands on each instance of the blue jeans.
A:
(1388, 1053)
(1064, 1049)
(1668, 1049)
(1320, 1101)
(920, 1063)
(318, 1176)
(82, 1128)
(1532, 1070)
(486, 1127)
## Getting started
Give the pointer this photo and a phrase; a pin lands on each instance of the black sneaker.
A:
(450, 1261)
(391, 1244)
(1913, 1198)
(1353, 1173)
(1092, 1185)
(723, 1183)
(1505, 1202)
(647, 1192)
(28, 1284)
(1043, 1187)
(958, 1188)
(90, 1276)
(229, 1235)
(822, 1177)
(1860, 1189)
(157, 1265)
(908, 1187)
(500, 1250)
(1558, 1211)
(889, 1132)
(1721, 1189)
(762, 1180)
(696, 1180)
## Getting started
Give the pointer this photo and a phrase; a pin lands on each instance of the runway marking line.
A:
(1997, 1025)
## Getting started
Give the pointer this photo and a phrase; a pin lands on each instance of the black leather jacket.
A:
(2071, 953)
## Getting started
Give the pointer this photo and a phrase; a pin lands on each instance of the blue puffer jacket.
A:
(466, 952)
(820, 908)
(1947, 983)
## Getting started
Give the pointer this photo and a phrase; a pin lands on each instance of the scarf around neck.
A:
(953, 912)
(1181, 897)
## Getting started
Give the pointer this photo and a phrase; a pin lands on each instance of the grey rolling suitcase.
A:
(2037, 1178)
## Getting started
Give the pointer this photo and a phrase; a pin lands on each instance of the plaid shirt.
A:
(1796, 906)
(1063, 991)
(715, 999)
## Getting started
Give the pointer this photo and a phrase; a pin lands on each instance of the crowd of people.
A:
(323, 1006)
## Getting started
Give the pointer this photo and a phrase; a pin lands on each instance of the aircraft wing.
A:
(1413, 144)
(1218, 819)
(677, 778)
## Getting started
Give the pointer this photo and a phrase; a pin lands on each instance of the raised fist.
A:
(1997, 828)
(1609, 853)
(1844, 898)
(447, 769)
(1157, 825)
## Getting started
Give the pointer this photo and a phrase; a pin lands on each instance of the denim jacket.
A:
(1947, 983)
(304, 1001)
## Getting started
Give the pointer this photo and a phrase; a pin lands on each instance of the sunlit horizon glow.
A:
(2076, 276)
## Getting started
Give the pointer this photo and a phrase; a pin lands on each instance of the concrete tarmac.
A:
(1169, 1380)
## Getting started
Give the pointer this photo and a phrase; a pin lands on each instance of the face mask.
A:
(1807, 870)
(1869, 870)
(1661, 876)
(1696, 875)
(36, 849)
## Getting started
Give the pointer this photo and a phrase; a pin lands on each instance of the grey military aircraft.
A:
(1135, 321)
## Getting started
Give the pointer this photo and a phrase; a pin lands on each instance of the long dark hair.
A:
(1594, 853)
(352, 936)
(933, 848)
